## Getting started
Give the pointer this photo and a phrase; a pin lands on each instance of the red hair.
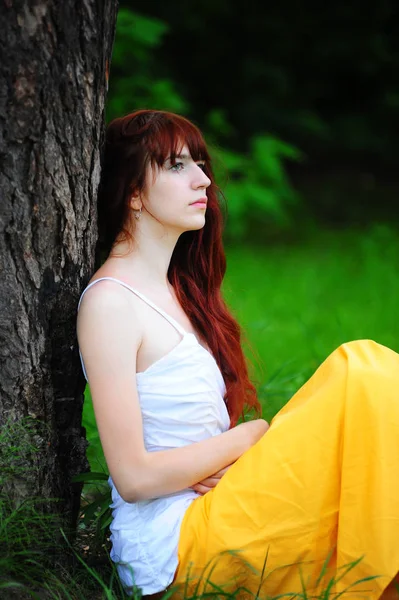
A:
(198, 263)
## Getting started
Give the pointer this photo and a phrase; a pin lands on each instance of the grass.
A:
(296, 303)
(29, 574)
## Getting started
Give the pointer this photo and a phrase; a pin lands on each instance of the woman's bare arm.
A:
(171, 470)
(109, 336)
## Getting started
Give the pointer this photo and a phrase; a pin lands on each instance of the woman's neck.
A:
(147, 263)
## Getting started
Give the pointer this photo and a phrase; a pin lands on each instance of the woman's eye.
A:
(201, 166)
(177, 166)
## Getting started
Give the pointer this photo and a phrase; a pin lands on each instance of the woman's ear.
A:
(134, 199)
(135, 202)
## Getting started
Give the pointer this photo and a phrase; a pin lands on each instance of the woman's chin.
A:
(198, 223)
(195, 224)
(200, 226)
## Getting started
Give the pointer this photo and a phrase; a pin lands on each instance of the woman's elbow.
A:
(131, 482)
(130, 493)
(126, 493)
(135, 489)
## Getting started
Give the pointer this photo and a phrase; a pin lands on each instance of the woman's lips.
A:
(201, 202)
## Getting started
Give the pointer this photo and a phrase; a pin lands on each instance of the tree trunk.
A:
(53, 83)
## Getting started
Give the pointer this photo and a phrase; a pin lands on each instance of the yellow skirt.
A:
(315, 503)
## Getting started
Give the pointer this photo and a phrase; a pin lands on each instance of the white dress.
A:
(182, 402)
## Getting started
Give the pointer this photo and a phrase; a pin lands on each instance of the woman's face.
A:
(175, 194)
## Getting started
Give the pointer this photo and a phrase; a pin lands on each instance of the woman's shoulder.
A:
(106, 316)
(102, 294)
(104, 298)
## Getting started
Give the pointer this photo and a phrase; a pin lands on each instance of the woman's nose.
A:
(202, 180)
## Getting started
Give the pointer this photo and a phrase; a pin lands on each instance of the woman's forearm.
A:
(168, 471)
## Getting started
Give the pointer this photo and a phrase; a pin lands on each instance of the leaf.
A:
(106, 522)
(138, 28)
(89, 512)
(105, 505)
(89, 477)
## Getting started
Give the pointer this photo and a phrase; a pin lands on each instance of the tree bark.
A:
(53, 83)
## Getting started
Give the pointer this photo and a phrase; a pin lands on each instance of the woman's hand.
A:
(204, 486)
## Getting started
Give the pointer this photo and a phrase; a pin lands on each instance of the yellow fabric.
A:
(322, 482)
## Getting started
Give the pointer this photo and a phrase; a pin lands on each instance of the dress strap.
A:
(140, 295)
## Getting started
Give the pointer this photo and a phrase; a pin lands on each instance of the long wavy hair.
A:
(198, 263)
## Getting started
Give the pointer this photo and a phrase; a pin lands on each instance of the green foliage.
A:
(95, 506)
(136, 81)
(320, 78)
(33, 566)
(22, 523)
(257, 188)
(95, 510)
(27, 537)
(94, 452)
(32, 558)
(323, 587)
(86, 582)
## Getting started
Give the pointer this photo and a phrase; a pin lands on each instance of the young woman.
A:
(194, 495)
